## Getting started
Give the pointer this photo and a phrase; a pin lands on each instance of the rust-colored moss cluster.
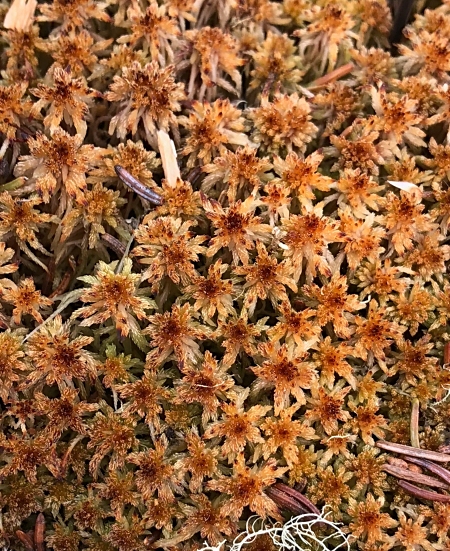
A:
(283, 308)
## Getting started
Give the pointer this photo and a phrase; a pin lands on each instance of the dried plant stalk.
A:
(332, 76)
(137, 186)
(117, 246)
(423, 494)
(413, 452)
(447, 353)
(64, 283)
(432, 467)
(25, 539)
(39, 532)
(288, 498)
(418, 478)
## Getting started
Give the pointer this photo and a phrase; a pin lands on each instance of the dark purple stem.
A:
(423, 494)
(418, 478)
(137, 186)
(304, 501)
(432, 467)
(413, 452)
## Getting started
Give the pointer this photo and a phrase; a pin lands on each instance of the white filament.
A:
(297, 534)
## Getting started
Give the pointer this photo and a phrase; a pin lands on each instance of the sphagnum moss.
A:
(223, 275)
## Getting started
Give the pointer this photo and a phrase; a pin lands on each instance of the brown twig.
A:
(447, 353)
(39, 531)
(414, 425)
(64, 283)
(413, 452)
(298, 496)
(418, 478)
(194, 174)
(117, 246)
(332, 76)
(285, 502)
(290, 499)
(423, 494)
(137, 186)
(26, 540)
(432, 467)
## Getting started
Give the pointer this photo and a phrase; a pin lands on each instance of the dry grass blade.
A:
(20, 15)
(168, 158)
